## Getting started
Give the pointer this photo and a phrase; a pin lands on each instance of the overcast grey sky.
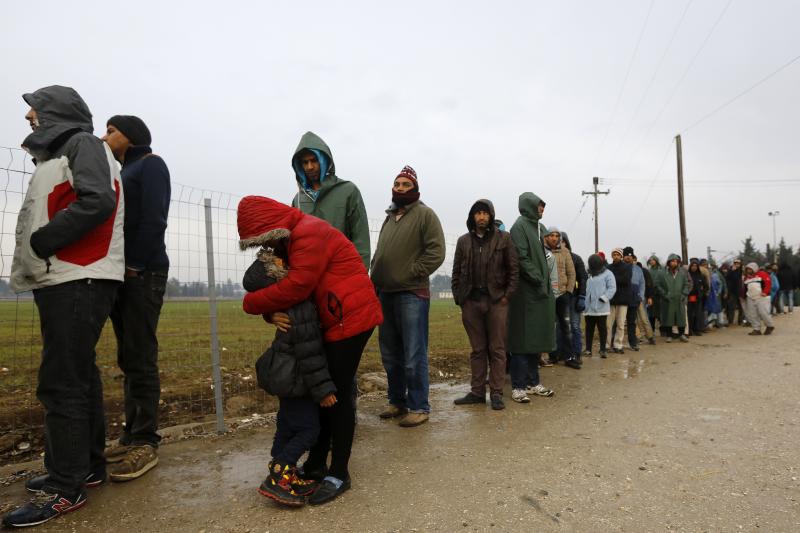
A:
(483, 99)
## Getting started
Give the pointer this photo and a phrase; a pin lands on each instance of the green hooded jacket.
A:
(532, 308)
(337, 202)
(673, 290)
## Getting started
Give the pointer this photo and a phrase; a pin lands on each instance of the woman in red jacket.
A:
(324, 265)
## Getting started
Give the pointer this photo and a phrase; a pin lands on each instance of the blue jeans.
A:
(786, 298)
(524, 370)
(403, 339)
(575, 325)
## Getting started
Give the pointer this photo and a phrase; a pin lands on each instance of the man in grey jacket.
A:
(69, 252)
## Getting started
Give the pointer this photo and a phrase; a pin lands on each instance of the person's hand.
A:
(131, 273)
(328, 401)
(580, 304)
(281, 321)
(503, 301)
(649, 301)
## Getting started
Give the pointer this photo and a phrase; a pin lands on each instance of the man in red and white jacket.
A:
(70, 253)
(757, 285)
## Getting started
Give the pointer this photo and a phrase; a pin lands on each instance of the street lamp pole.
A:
(774, 214)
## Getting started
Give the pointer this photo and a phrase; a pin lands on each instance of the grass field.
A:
(185, 359)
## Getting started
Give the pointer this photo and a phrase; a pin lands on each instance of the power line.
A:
(624, 84)
(729, 102)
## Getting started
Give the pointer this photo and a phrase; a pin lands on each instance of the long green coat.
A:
(532, 309)
(673, 289)
(655, 273)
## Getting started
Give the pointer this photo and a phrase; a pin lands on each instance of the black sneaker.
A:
(573, 363)
(603, 354)
(327, 491)
(651, 341)
(36, 484)
(309, 473)
(469, 399)
(278, 486)
(43, 507)
(497, 402)
(769, 330)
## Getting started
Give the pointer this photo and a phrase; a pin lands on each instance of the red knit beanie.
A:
(411, 174)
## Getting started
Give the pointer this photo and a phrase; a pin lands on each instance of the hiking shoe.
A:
(755, 332)
(137, 462)
(519, 396)
(44, 506)
(539, 390)
(587, 353)
(469, 399)
(392, 411)
(413, 420)
(36, 484)
(651, 341)
(328, 490)
(635, 348)
(497, 402)
(669, 339)
(117, 454)
(683, 338)
(278, 485)
(300, 485)
(573, 363)
(603, 354)
(769, 330)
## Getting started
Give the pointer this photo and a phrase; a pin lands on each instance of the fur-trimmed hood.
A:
(271, 266)
(263, 221)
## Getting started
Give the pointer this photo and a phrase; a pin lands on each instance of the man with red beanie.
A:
(325, 265)
(410, 249)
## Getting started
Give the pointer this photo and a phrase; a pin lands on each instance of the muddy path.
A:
(685, 437)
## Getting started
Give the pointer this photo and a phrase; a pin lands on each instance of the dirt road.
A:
(685, 437)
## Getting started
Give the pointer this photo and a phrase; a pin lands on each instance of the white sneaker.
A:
(519, 396)
(539, 390)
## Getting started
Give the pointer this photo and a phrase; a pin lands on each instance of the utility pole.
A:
(595, 193)
(774, 214)
(681, 210)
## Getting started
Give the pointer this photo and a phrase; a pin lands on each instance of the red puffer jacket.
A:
(322, 262)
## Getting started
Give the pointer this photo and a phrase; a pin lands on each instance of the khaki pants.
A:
(618, 316)
(644, 321)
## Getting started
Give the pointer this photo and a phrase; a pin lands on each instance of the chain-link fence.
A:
(200, 331)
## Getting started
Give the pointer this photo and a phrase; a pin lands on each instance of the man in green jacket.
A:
(673, 287)
(322, 194)
(532, 308)
(410, 248)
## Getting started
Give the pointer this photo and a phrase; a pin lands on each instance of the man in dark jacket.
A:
(785, 297)
(577, 302)
(146, 183)
(734, 302)
(69, 252)
(622, 298)
(485, 275)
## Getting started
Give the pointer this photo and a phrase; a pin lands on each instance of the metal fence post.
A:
(212, 308)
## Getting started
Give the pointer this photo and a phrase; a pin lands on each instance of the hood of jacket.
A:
(471, 220)
(529, 206)
(565, 240)
(596, 264)
(59, 110)
(752, 266)
(312, 141)
(262, 221)
(656, 259)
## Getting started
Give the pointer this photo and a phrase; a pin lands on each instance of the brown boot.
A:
(392, 411)
(413, 419)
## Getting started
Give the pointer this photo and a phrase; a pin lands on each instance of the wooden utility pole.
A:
(595, 181)
(681, 210)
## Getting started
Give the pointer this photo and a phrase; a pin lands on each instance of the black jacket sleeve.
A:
(306, 338)
(95, 197)
(154, 191)
(580, 275)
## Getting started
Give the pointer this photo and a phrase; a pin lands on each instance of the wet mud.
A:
(677, 437)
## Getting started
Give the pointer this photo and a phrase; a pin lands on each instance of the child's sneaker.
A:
(278, 485)
(302, 486)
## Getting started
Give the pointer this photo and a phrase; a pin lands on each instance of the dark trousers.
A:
(135, 319)
(666, 331)
(563, 329)
(524, 370)
(630, 323)
(337, 423)
(486, 323)
(733, 305)
(601, 323)
(72, 316)
(694, 318)
(297, 429)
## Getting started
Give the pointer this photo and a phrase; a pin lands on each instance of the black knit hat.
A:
(133, 128)
(628, 250)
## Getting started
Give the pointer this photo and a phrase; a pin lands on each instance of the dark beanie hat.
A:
(133, 128)
(628, 250)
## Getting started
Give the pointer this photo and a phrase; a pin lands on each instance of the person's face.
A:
(774, 268)
(116, 141)
(552, 240)
(628, 259)
(482, 219)
(736, 265)
(749, 271)
(616, 257)
(402, 185)
(541, 210)
(651, 263)
(310, 165)
(672, 263)
(32, 118)
(693, 267)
